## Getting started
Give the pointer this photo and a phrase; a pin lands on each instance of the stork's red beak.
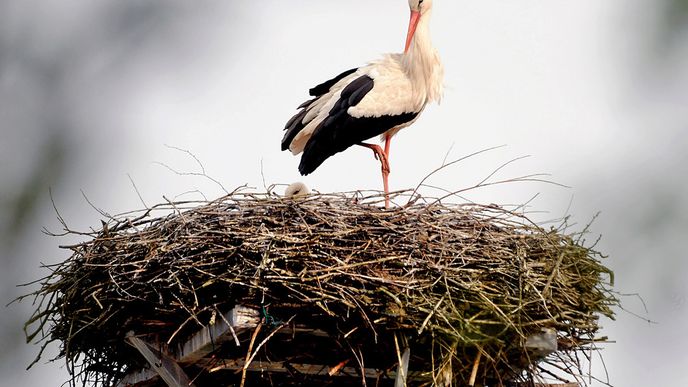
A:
(413, 23)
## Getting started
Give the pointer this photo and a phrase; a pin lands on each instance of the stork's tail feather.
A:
(293, 128)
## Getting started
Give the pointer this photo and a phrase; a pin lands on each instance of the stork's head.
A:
(418, 9)
(420, 5)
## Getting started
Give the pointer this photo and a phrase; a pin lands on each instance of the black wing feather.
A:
(327, 85)
(296, 124)
(339, 130)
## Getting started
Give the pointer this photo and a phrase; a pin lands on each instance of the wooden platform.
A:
(227, 353)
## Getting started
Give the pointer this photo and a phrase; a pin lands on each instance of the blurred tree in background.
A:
(676, 14)
(44, 50)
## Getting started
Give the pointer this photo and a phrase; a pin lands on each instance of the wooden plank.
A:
(203, 342)
(163, 364)
(134, 378)
(307, 369)
(208, 339)
(225, 329)
(402, 369)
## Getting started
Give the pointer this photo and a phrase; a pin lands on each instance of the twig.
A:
(247, 361)
(446, 165)
(474, 372)
(138, 193)
(260, 345)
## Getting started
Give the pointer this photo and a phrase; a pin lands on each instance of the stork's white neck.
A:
(422, 63)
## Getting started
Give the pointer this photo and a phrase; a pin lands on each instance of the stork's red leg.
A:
(382, 155)
(385, 174)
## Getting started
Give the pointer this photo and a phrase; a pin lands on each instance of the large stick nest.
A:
(449, 280)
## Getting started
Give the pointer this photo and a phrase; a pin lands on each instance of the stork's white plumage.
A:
(379, 98)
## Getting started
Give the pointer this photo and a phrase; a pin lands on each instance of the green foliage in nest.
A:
(450, 280)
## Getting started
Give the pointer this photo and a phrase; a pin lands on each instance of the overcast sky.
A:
(91, 92)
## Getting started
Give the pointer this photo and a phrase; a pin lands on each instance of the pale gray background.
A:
(596, 91)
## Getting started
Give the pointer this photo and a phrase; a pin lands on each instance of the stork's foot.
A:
(383, 157)
(380, 155)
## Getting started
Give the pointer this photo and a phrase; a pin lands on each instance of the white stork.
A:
(379, 98)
